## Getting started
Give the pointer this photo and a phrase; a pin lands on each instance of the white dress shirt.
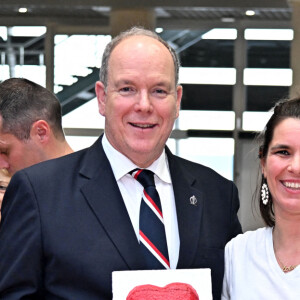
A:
(132, 192)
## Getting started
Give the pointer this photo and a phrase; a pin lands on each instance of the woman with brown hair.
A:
(264, 264)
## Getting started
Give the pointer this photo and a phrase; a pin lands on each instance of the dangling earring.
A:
(264, 192)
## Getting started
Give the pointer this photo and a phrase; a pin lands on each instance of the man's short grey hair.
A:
(134, 31)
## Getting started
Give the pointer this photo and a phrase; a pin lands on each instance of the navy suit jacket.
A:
(65, 227)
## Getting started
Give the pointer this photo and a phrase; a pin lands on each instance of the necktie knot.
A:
(144, 177)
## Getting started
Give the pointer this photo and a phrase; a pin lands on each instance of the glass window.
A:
(216, 153)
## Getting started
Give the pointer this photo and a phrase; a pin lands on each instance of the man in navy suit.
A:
(70, 222)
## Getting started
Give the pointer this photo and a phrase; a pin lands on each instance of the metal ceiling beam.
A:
(177, 24)
(101, 26)
(175, 134)
(153, 3)
(189, 44)
(22, 20)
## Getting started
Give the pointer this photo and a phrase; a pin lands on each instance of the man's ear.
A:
(101, 97)
(178, 99)
(40, 131)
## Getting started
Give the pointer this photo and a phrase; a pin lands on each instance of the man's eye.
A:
(160, 92)
(126, 90)
(3, 187)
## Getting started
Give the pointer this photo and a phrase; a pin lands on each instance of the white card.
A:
(124, 281)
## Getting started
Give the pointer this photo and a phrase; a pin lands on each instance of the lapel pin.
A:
(193, 200)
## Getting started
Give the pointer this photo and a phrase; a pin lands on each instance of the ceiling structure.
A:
(171, 13)
(185, 22)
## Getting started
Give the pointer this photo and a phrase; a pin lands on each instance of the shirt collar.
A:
(121, 165)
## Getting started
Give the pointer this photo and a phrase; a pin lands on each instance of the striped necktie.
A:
(152, 230)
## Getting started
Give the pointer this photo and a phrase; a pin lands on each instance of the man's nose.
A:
(144, 102)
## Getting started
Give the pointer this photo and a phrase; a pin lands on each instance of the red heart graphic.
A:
(172, 291)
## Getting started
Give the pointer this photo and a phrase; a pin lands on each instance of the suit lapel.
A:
(189, 207)
(103, 195)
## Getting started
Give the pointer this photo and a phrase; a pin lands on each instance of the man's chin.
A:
(143, 156)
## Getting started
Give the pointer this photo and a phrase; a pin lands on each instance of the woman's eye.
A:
(282, 152)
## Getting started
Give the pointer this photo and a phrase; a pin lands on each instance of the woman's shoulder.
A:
(255, 237)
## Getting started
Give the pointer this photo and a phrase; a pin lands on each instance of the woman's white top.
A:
(252, 271)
